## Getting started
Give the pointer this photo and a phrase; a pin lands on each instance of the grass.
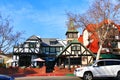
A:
(69, 74)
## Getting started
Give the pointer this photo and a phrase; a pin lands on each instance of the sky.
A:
(44, 18)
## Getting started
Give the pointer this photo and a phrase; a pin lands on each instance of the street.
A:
(49, 78)
(56, 78)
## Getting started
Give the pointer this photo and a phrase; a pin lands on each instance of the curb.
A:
(47, 74)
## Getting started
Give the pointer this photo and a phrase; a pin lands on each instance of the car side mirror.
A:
(95, 65)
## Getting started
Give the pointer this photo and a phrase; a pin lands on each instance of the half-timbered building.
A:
(35, 47)
(50, 48)
(27, 51)
(75, 53)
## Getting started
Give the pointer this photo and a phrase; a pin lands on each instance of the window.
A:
(101, 63)
(75, 35)
(78, 47)
(74, 61)
(47, 49)
(52, 49)
(32, 45)
(112, 62)
(1, 60)
(70, 35)
(113, 44)
(58, 49)
(74, 48)
(43, 50)
(53, 42)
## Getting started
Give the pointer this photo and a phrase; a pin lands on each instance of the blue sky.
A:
(44, 18)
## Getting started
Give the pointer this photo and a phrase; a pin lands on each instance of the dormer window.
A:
(53, 42)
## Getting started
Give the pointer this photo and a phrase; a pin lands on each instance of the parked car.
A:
(100, 68)
(6, 77)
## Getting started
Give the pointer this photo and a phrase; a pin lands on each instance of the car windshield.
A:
(90, 64)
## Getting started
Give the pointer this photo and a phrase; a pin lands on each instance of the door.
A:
(99, 69)
(111, 68)
(25, 60)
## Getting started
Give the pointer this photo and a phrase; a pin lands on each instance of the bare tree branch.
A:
(7, 36)
(103, 15)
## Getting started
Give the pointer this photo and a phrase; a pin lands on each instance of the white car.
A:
(100, 68)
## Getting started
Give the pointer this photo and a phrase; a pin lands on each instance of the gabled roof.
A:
(93, 27)
(50, 42)
(75, 42)
(33, 37)
(3, 56)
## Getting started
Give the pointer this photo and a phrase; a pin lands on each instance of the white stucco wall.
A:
(85, 38)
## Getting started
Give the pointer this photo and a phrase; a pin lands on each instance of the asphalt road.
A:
(55, 78)
(49, 78)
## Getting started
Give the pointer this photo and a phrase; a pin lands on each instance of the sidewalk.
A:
(27, 72)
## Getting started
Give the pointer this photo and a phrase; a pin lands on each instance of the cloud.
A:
(47, 17)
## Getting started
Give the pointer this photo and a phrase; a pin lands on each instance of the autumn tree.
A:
(7, 36)
(103, 14)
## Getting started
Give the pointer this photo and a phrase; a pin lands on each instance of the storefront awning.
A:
(108, 56)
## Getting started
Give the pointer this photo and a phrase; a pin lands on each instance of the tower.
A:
(72, 33)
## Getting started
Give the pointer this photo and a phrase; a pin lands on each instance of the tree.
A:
(104, 15)
(7, 36)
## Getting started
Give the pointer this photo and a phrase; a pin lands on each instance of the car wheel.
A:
(118, 75)
(88, 76)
